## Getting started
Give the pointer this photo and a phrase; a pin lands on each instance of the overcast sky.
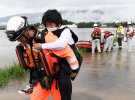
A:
(110, 9)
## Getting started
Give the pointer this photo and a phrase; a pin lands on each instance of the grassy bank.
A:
(83, 50)
(11, 73)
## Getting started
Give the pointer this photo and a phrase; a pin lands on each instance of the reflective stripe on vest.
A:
(73, 62)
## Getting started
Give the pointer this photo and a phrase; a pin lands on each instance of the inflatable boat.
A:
(87, 44)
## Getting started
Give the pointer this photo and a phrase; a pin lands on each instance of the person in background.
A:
(119, 33)
(108, 36)
(96, 36)
(129, 35)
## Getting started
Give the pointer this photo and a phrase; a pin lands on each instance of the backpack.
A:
(46, 65)
(20, 55)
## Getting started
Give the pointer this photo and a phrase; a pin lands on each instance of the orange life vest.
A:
(96, 34)
(25, 57)
(66, 52)
(49, 61)
(131, 34)
(107, 34)
(43, 60)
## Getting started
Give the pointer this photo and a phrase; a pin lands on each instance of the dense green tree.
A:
(37, 25)
(85, 24)
(66, 22)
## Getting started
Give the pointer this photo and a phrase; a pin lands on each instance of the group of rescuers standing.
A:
(51, 54)
(106, 37)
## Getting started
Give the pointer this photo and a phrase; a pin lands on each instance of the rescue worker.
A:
(18, 29)
(96, 36)
(129, 34)
(108, 36)
(52, 20)
(119, 33)
(29, 88)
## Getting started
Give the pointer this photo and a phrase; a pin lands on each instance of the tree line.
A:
(88, 24)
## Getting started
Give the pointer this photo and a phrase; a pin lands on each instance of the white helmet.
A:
(95, 25)
(15, 27)
(129, 23)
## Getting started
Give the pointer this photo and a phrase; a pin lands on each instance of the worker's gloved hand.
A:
(37, 46)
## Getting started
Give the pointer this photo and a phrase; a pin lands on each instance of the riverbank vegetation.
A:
(90, 24)
(83, 50)
(12, 72)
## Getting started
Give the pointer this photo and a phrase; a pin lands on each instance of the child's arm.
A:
(60, 43)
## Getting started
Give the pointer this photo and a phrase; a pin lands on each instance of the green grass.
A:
(83, 50)
(11, 73)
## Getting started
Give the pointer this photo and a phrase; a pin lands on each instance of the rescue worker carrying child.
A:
(18, 29)
(52, 20)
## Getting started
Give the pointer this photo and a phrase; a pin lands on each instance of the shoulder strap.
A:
(59, 31)
(47, 69)
(19, 51)
(43, 35)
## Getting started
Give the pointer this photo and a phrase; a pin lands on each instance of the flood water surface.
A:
(109, 76)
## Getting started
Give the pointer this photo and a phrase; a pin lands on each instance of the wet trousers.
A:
(129, 43)
(120, 42)
(96, 43)
(42, 94)
(109, 43)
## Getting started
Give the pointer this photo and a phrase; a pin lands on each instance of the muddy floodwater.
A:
(103, 76)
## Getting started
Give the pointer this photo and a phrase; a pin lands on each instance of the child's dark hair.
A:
(52, 15)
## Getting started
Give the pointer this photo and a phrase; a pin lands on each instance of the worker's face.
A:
(31, 33)
(26, 36)
(23, 38)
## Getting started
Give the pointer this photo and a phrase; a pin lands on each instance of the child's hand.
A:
(37, 46)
